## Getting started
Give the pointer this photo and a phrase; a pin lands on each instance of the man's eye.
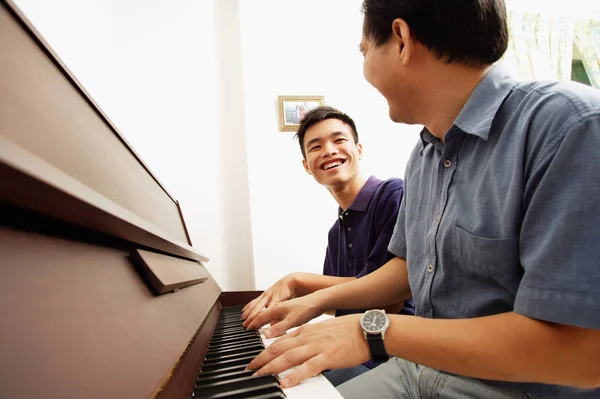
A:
(340, 140)
(311, 149)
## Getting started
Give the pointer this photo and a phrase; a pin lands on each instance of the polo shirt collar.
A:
(364, 196)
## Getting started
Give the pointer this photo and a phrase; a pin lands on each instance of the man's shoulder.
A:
(558, 99)
(391, 185)
(391, 189)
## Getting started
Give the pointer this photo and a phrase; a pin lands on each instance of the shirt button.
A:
(350, 245)
(437, 217)
(430, 268)
(447, 163)
(346, 213)
(349, 228)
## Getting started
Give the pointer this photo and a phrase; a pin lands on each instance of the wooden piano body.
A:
(101, 293)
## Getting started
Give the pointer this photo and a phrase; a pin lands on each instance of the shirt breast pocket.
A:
(485, 274)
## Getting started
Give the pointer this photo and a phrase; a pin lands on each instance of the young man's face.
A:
(332, 156)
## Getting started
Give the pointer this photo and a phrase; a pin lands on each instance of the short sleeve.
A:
(397, 244)
(385, 219)
(328, 264)
(559, 240)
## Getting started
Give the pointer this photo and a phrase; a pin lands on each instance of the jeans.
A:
(398, 378)
(339, 376)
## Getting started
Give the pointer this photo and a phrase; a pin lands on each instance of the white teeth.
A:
(331, 165)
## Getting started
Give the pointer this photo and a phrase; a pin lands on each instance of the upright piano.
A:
(102, 294)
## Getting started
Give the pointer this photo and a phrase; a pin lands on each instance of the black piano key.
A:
(219, 364)
(225, 341)
(208, 373)
(230, 324)
(235, 308)
(247, 383)
(233, 329)
(208, 379)
(237, 349)
(234, 334)
(230, 320)
(229, 327)
(228, 350)
(253, 353)
(274, 395)
(245, 393)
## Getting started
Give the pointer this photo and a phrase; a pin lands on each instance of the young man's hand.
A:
(330, 344)
(282, 290)
(286, 315)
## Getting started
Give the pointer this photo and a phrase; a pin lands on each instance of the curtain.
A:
(540, 46)
(587, 40)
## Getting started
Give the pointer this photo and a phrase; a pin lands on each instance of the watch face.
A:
(374, 321)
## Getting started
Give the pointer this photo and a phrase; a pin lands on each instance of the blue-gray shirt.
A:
(504, 215)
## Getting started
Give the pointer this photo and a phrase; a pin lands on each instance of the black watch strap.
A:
(378, 353)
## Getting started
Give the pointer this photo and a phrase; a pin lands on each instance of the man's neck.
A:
(345, 195)
(446, 92)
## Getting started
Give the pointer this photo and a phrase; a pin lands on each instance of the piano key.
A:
(274, 395)
(228, 363)
(221, 342)
(247, 383)
(236, 349)
(254, 353)
(245, 393)
(235, 333)
(230, 324)
(232, 309)
(224, 370)
(207, 379)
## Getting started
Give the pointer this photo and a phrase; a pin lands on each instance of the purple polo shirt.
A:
(359, 239)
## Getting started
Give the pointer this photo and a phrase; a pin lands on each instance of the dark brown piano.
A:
(101, 293)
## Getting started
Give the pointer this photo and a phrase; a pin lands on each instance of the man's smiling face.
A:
(331, 154)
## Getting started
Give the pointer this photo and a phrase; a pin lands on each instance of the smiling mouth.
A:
(332, 165)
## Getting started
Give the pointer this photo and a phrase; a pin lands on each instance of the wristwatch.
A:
(374, 323)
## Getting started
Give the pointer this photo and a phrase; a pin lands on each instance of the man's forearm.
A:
(386, 286)
(307, 283)
(507, 347)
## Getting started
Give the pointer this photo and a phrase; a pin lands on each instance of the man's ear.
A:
(402, 36)
(306, 166)
(360, 150)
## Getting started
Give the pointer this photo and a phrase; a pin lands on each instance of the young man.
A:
(497, 235)
(359, 238)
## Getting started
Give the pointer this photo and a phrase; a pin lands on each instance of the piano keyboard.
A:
(231, 349)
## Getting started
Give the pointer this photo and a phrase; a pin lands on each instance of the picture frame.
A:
(293, 108)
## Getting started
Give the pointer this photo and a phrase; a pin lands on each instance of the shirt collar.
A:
(364, 195)
(477, 115)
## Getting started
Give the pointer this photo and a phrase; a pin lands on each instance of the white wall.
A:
(310, 50)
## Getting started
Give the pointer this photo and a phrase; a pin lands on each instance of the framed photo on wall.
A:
(293, 108)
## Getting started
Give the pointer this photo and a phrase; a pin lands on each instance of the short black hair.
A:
(473, 32)
(319, 114)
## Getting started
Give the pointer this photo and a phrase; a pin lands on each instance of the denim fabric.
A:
(339, 376)
(399, 379)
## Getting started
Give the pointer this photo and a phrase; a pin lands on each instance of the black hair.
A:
(473, 32)
(319, 114)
